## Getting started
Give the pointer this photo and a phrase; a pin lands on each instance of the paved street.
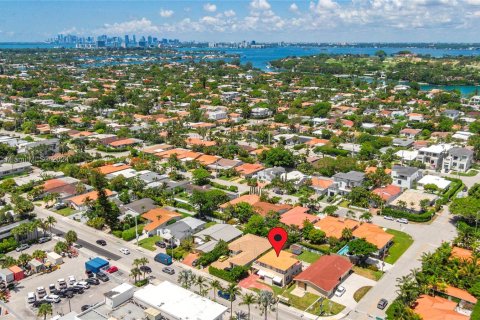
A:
(427, 237)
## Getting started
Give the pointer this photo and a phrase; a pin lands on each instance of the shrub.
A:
(117, 233)
(129, 234)
(234, 275)
(321, 248)
(141, 283)
(421, 217)
(8, 245)
(476, 312)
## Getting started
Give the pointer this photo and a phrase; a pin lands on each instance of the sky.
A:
(237, 20)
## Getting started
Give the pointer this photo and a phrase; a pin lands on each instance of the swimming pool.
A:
(344, 250)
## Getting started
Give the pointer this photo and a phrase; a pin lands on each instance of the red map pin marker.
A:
(277, 237)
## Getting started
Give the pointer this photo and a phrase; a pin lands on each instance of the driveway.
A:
(351, 285)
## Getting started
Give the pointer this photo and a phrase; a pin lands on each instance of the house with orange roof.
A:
(111, 168)
(437, 308)
(321, 185)
(251, 199)
(167, 153)
(158, 218)
(297, 216)
(199, 142)
(247, 170)
(388, 193)
(461, 254)
(79, 202)
(207, 160)
(375, 235)
(333, 226)
(316, 142)
(263, 208)
(275, 270)
(189, 156)
(123, 143)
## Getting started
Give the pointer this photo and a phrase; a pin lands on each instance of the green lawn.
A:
(327, 307)
(308, 256)
(401, 242)
(209, 224)
(358, 295)
(66, 211)
(149, 243)
(367, 273)
(344, 204)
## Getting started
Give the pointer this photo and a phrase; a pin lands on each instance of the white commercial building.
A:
(177, 303)
(118, 295)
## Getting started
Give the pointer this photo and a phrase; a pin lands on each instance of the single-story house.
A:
(158, 218)
(79, 202)
(180, 230)
(208, 238)
(333, 227)
(375, 235)
(297, 216)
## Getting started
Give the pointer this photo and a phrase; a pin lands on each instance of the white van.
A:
(31, 298)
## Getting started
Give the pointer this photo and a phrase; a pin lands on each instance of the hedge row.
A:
(320, 248)
(236, 274)
(223, 187)
(476, 312)
(421, 217)
(456, 185)
(332, 151)
(129, 234)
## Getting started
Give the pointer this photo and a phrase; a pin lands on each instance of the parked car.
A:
(51, 287)
(71, 280)
(402, 220)
(52, 298)
(124, 251)
(31, 298)
(145, 269)
(60, 205)
(103, 276)
(65, 293)
(89, 274)
(222, 258)
(161, 244)
(225, 295)
(195, 263)
(77, 289)
(101, 242)
(22, 247)
(163, 258)
(82, 284)
(382, 304)
(168, 270)
(44, 239)
(93, 281)
(112, 269)
(41, 292)
(388, 218)
(62, 284)
(340, 291)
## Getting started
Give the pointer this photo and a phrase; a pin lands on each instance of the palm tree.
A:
(186, 278)
(143, 262)
(266, 301)
(366, 216)
(134, 273)
(8, 261)
(23, 259)
(39, 255)
(51, 221)
(44, 310)
(43, 225)
(215, 285)
(248, 299)
(201, 282)
(71, 237)
(232, 291)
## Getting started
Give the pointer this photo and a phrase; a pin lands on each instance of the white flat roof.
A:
(437, 148)
(407, 154)
(179, 303)
(440, 182)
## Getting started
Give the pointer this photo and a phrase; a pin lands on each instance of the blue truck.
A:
(163, 258)
(96, 265)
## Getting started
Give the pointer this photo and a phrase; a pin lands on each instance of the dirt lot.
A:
(71, 266)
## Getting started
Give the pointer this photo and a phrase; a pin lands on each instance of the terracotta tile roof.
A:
(251, 199)
(373, 234)
(207, 159)
(461, 253)
(437, 308)
(110, 168)
(387, 192)
(333, 226)
(123, 142)
(317, 141)
(460, 294)
(92, 195)
(374, 169)
(189, 155)
(158, 217)
(263, 208)
(297, 216)
(168, 153)
(326, 272)
(200, 142)
(284, 261)
(321, 182)
(53, 184)
(249, 168)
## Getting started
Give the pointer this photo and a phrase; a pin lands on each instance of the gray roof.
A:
(10, 166)
(460, 152)
(405, 171)
(142, 205)
(451, 111)
(402, 142)
(207, 246)
(352, 176)
(220, 231)
(152, 176)
(184, 227)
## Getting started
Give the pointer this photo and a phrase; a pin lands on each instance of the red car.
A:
(112, 269)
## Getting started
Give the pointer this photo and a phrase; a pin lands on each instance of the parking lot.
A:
(71, 266)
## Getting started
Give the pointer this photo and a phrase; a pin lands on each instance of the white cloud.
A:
(293, 7)
(229, 13)
(260, 5)
(209, 7)
(166, 13)
(140, 25)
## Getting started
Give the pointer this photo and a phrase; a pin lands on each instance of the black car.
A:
(102, 276)
(86, 307)
(382, 304)
(161, 244)
(65, 293)
(89, 274)
(77, 289)
(145, 269)
(101, 242)
(93, 281)
(38, 303)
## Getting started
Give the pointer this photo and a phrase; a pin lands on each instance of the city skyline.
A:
(261, 20)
